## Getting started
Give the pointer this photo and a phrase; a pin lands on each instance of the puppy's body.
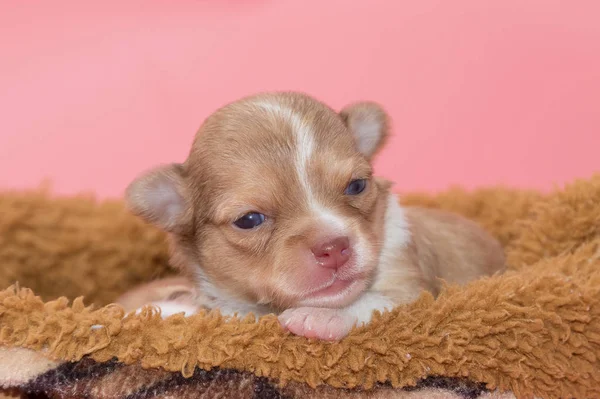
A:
(276, 210)
(440, 246)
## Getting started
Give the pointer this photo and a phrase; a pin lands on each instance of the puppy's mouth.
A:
(338, 292)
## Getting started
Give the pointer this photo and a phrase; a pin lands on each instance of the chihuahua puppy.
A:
(276, 210)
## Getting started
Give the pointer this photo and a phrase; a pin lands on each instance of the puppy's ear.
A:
(160, 197)
(369, 123)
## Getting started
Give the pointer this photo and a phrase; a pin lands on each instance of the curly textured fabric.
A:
(534, 331)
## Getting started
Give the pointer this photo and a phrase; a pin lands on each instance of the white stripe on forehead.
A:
(304, 139)
(305, 145)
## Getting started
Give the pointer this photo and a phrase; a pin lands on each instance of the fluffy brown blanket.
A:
(532, 332)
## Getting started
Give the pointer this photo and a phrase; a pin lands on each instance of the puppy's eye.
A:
(356, 187)
(250, 220)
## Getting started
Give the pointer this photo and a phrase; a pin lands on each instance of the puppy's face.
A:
(276, 203)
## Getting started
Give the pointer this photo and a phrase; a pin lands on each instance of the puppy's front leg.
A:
(172, 295)
(333, 324)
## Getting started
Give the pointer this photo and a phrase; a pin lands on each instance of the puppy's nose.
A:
(332, 254)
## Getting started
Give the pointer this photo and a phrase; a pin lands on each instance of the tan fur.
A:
(290, 157)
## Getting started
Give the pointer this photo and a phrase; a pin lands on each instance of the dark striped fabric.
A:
(91, 380)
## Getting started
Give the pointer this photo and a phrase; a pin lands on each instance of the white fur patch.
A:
(364, 306)
(333, 221)
(396, 233)
(170, 308)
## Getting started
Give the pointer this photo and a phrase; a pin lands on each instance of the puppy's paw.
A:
(170, 308)
(319, 323)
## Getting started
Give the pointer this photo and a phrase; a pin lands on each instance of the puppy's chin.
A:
(336, 290)
(338, 294)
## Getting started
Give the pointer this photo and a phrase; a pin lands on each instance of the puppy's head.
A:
(276, 202)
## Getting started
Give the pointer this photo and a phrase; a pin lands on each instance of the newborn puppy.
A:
(276, 210)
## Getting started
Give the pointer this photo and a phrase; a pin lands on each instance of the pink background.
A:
(481, 92)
